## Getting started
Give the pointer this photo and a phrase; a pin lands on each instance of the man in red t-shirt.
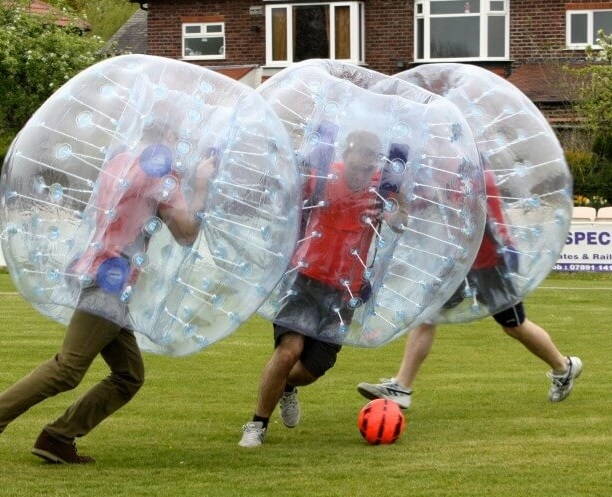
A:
(131, 190)
(488, 282)
(148, 194)
(330, 264)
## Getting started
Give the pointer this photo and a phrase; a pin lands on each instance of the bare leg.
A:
(399, 389)
(276, 373)
(418, 345)
(539, 343)
(300, 376)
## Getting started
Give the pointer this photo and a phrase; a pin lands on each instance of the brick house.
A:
(523, 40)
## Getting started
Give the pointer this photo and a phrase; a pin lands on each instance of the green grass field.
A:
(480, 424)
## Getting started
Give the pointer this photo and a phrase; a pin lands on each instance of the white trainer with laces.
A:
(253, 434)
(388, 389)
(562, 384)
(290, 412)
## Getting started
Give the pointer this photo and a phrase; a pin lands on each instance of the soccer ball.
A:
(381, 421)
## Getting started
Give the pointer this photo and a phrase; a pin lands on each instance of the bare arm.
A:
(182, 217)
(398, 218)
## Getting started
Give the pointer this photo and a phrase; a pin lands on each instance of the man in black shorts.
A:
(487, 282)
(319, 304)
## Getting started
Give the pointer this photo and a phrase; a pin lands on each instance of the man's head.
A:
(361, 157)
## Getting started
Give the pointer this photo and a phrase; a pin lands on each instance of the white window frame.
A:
(591, 34)
(485, 14)
(205, 32)
(357, 28)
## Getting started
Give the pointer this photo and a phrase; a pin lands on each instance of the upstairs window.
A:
(456, 30)
(322, 30)
(205, 40)
(582, 27)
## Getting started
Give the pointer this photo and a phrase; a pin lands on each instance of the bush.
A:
(5, 143)
(602, 146)
(36, 58)
(592, 178)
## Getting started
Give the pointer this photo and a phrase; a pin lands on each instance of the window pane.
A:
(601, 20)
(214, 28)
(455, 37)
(360, 34)
(420, 48)
(579, 28)
(192, 29)
(455, 7)
(279, 34)
(204, 46)
(496, 6)
(471, 7)
(343, 33)
(310, 32)
(497, 36)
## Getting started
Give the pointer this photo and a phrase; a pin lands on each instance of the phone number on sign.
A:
(582, 267)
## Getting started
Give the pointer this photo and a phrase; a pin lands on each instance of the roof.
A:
(133, 35)
(61, 19)
(545, 82)
(234, 72)
(250, 75)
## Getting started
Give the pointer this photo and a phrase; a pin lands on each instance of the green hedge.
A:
(592, 173)
(5, 142)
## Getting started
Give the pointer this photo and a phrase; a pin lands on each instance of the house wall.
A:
(537, 31)
(389, 35)
(245, 35)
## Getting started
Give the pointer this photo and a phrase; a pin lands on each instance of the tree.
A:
(604, 54)
(37, 57)
(105, 16)
(592, 169)
(595, 96)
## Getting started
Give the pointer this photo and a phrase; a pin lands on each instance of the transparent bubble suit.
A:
(427, 164)
(61, 196)
(530, 181)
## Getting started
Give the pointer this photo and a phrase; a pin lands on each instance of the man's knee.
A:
(129, 383)
(67, 375)
(287, 352)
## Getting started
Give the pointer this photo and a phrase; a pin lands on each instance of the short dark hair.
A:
(364, 142)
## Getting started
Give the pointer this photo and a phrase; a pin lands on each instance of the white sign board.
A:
(588, 247)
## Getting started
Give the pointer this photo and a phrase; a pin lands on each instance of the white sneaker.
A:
(253, 434)
(387, 389)
(290, 412)
(562, 384)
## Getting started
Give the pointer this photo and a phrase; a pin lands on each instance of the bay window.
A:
(300, 31)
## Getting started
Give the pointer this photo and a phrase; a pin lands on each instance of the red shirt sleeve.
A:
(495, 209)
